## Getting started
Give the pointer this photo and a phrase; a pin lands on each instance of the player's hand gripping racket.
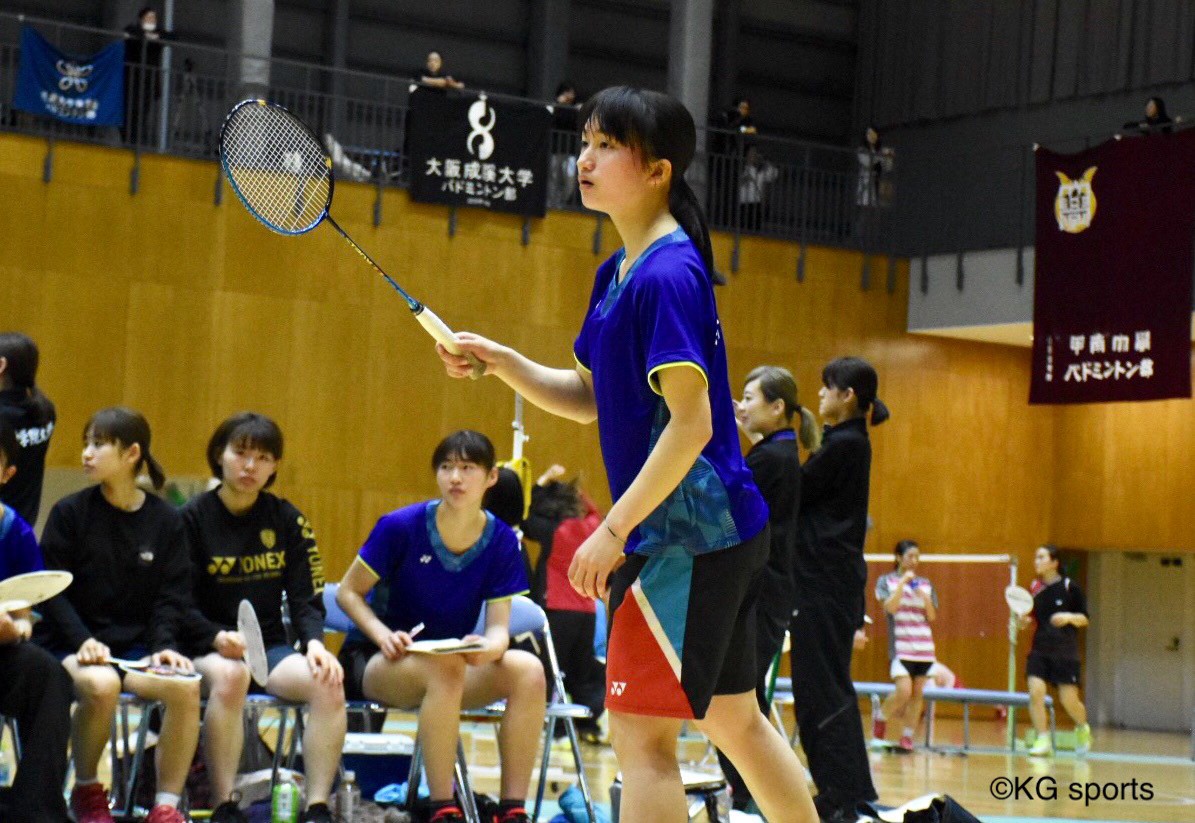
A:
(281, 172)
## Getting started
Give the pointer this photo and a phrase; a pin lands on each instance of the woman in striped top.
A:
(912, 604)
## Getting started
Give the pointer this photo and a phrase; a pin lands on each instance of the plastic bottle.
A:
(286, 803)
(348, 798)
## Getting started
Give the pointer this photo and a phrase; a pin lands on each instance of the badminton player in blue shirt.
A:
(681, 550)
(435, 565)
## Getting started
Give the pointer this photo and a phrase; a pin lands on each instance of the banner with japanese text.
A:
(471, 150)
(87, 91)
(1113, 285)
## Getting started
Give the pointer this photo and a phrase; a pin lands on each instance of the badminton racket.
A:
(1020, 601)
(282, 174)
(255, 647)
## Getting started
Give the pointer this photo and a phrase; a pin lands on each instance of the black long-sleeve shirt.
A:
(33, 425)
(254, 556)
(131, 577)
(775, 465)
(832, 518)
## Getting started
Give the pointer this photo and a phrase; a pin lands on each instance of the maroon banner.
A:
(1112, 290)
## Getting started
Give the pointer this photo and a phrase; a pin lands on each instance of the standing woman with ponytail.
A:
(32, 417)
(765, 416)
(830, 577)
(681, 550)
(128, 555)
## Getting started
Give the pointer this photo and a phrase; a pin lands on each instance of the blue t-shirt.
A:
(663, 315)
(19, 552)
(421, 581)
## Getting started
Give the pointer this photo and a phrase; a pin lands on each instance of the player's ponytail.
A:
(659, 127)
(858, 375)
(126, 427)
(684, 206)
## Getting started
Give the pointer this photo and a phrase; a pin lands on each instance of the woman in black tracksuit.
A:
(830, 577)
(765, 415)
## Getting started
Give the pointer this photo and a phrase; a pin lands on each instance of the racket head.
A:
(277, 166)
(255, 647)
(1020, 601)
(22, 591)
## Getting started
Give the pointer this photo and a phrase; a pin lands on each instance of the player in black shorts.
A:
(1059, 610)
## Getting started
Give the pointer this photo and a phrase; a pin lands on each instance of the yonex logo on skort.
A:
(617, 688)
(427, 558)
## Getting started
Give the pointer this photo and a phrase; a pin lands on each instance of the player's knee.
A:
(181, 694)
(327, 696)
(634, 739)
(97, 685)
(445, 672)
(528, 672)
(230, 680)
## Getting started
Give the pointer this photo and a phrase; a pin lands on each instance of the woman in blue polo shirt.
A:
(681, 550)
(436, 563)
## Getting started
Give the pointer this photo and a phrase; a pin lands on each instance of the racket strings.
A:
(279, 169)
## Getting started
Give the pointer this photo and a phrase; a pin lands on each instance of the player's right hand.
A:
(394, 645)
(230, 644)
(93, 653)
(484, 349)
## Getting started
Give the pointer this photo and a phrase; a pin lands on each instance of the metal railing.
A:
(177, 94)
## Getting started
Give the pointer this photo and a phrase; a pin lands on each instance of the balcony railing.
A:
(177, 96)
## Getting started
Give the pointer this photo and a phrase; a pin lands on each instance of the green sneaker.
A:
(1083, 738)
(1041, 746)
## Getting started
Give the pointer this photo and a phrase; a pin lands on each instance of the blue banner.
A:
(87, 91)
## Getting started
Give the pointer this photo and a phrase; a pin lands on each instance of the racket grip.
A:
(440, 332)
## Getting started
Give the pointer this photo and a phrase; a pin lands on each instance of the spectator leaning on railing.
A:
(431, 73)
(1156, 119)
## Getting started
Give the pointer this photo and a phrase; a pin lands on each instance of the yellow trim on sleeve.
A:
(654, 381)
(582, 365)
(508, 597)
(368, 567)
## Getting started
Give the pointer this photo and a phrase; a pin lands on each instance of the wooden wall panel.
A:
(1125, 473)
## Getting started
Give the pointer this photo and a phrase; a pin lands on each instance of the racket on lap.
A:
(255, 647)
(282, 174)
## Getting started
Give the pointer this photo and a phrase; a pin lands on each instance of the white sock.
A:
(880, 715)
(166, 799)
(89, 782)
(908, 732)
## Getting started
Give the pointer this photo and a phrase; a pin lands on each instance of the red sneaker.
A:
(165, 814)
(906, 743)
(89, 804)
(879, 728)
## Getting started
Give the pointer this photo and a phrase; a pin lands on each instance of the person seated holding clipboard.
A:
(440, 562)
(34, 689)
